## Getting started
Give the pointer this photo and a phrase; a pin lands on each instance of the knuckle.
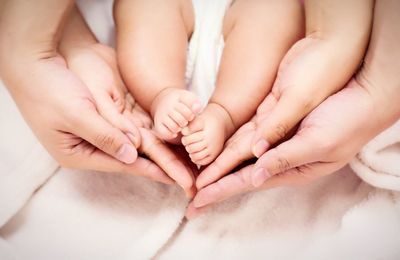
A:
(105, 141)
(283, 164)
(281, 130)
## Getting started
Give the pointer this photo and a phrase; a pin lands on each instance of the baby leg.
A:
(152, 39)
(258, 33)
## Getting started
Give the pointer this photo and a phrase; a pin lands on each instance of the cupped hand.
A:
(316, 66)
(331, 134)
(61, 112)
(326, 140)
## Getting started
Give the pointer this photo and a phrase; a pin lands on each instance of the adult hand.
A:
(330, 135)
(57, 105)
(337, 34)
(334, 45)
(96, 66)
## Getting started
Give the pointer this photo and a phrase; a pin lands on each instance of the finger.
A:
(296, 151)
(226, 187)
(239, 182)
(224, 164)
(302, 174)
(108, 109)
(266, 106)
(163, 156)
(289, 110)
(192, 212)
(90, 126)
(99, 161)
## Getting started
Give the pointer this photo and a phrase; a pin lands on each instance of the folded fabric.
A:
(24, 163)
(378, 163)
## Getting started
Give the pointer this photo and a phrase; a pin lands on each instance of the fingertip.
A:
(127, 154)
(190, 193)
(135, 139)
(260, 146)
(192, 212)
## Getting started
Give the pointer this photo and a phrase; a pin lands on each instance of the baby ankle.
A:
(230, 123)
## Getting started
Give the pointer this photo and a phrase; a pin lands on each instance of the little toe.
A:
(195, 157)
(185, 111)
(205, 161)
(195, 147)
(194, 126)
(193, 138)
(191, 101)
(178, 118)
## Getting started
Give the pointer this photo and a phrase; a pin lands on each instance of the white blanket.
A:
(89, 215)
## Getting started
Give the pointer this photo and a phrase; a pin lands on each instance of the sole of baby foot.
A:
(172, 110)
(204, 138)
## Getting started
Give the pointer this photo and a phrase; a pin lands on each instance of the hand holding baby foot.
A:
(172, 110)
(204, 138)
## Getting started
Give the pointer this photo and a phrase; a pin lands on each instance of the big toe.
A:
(191, 101)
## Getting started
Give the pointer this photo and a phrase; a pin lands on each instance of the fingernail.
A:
(196, 107)
(134, 139)
(259, 177)
(127, 154)
(260, 147)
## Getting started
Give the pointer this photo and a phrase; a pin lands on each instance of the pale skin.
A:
(96, 65)
(329, 136)
(305, 76)
(60, 108)
(269, 27)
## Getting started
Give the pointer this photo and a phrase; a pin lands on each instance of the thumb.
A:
(288, 112)
(97, 131)
(297, 151)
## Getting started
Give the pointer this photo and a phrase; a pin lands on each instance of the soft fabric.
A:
(24, 163)
(91, 215)
(378, 163)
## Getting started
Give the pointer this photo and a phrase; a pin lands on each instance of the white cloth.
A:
(89, 215)
(378, 163)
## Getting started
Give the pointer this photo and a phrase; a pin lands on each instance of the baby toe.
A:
(195, 147)
(163, 131)
(205, 161)
(171, 125)
(193, 138)
(178, 118)
(185, 111)
(191, 101)
(195, 157)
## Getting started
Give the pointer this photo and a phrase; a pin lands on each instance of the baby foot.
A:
(205, 136)
(172, 110)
